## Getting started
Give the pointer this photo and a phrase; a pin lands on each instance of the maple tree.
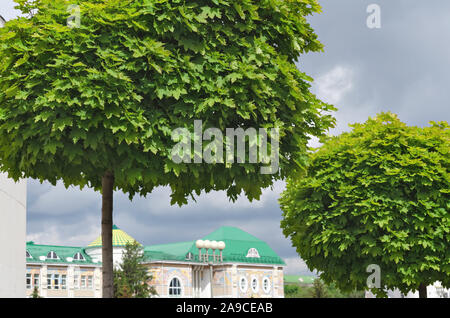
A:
(379, 194)
(95, 105)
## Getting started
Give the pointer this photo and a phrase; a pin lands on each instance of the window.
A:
(175, 287)
(49, 281)
(29, 255)
(36, 280)
(83, 282)
(76, 281)
(28, 281)
(52, 255)
(253, 252)
(63, 281)
(189, 256)
(56, 281)
(78, 257)
(255, 285)
(243, 284)
(90, 282)
(266, 285)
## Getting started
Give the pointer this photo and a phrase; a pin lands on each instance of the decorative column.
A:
(70, 283)
(97, 282)
(234, 281)
(278, 291)
(43, 281)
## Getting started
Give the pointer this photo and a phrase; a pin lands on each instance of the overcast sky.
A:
(403, 67)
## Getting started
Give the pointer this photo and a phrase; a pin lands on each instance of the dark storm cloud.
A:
(404, 67)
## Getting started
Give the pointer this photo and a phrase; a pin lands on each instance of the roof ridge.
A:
(68, 246)
(190, 241)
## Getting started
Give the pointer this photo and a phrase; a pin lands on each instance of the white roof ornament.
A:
(253, 252)
(214, 245)
(221, 245)
(200, 244)
(207, 244)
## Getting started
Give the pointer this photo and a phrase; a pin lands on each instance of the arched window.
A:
(243, 284)
(253, 252)
(52, 255)
(255, 285)
(175, 287)
(29, 255)
(266, 285)
(78, 257)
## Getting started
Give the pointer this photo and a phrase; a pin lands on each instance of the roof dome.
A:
(119, 238)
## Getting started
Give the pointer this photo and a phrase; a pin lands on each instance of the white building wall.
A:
(96, 254)
(13, 198)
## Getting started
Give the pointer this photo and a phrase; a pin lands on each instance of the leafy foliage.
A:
(318, 289)
(76, 102)
(376, 195)
(35, 293)
(131, 278)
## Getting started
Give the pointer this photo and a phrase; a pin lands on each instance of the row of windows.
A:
(57, 281)
(175, 285)
(32, 281)
(83, 281)
(266, 284)
(52, 255)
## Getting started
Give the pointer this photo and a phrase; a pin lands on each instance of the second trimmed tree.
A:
(378, 195)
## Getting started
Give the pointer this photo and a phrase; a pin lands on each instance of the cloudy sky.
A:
(403, 67)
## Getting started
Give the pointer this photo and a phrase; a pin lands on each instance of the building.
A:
(236, 264)
(13, 205)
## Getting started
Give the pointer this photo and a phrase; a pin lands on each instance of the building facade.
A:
(13, 205)
(243, 266)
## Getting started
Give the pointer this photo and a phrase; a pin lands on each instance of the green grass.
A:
(302, 290)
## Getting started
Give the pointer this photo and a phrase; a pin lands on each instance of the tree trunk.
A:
(422, 291)
(107, 225)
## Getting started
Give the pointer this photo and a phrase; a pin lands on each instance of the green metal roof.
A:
(63, 252)
(237, 241)
(173, 252)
